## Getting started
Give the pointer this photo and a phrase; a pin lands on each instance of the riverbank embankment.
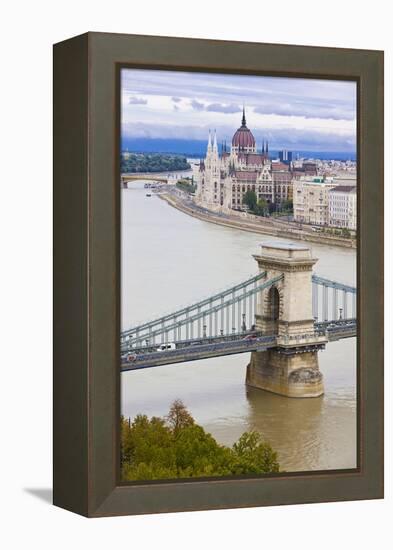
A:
(254, 226)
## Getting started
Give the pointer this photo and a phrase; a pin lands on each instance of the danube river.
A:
(170, 259)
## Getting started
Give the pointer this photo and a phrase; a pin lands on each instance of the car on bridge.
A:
(129, 357)
(166, 347)
(251, 336)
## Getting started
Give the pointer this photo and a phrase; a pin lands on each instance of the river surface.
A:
(170, 259)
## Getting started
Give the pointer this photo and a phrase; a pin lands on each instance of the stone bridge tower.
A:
(285, 309)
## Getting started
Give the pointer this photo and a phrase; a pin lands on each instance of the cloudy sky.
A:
(300, 114)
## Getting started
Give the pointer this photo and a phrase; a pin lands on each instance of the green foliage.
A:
(176, 447)
(261, 208)
(346, 233)
(186, 186)
(343, 232)
(250, 199)
(253, 455)
(152, 162)
(287, 205)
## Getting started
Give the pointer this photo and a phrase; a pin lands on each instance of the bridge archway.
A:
(273, 304)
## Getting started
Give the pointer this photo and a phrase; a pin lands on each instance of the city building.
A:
(342, 206)
(224, 177)
(285, 156)
(311, 200)
(282, 178)
(310, 168)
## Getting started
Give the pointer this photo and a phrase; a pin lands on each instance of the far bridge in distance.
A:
(284, 315)
(157, 177)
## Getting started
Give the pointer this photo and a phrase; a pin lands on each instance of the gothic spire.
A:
(244, 117)
(209, 143)
(215, 141)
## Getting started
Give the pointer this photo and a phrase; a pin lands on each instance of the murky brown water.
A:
(170, 259)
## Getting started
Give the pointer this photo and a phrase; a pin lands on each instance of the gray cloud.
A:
(311, 98)
(176, 99)
(215, 107)
(196, 105)
(309, 140)
(134, 100)
(223, 108)
(306, 109)
(175, 107)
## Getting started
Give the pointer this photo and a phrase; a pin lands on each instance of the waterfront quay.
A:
(248, 222)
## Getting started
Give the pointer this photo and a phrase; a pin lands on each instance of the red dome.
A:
(243, 136)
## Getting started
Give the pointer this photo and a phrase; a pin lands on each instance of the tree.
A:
(287, 205)
(261, 208)
(176, 447)
(152, 162)
(186, 186)
(252, 455)
(198, 454)
(250, 199)
(178, 416)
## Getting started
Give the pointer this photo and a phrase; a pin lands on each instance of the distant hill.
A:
(197, 148)
(152, 162)
(192, 148)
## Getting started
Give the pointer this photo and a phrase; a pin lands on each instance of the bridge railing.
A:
(206, 304)
(232, 313)
(332, 301)
(233, 310)
(149, 359)
(149, 347)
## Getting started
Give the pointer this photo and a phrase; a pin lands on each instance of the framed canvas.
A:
(218, 274)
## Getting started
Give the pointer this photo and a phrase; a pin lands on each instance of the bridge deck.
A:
(200, 351)
(193, 350)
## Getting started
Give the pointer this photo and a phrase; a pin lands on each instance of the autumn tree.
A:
(178, 417)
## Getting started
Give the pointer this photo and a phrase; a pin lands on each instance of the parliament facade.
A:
(224, 177)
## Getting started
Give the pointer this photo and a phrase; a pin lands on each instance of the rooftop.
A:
(317, 181)
(286, 252)
(344, 189)
(244, 175)
(284, 245)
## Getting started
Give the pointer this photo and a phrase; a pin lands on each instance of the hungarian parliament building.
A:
(224, 177)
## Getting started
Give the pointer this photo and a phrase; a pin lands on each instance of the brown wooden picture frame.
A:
(87, 274)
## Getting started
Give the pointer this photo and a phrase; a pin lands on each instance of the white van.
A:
(167, 346)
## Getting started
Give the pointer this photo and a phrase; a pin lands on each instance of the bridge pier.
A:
(291, 375)
(290, 369)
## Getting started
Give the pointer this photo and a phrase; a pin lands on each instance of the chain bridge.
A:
(284, 315)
